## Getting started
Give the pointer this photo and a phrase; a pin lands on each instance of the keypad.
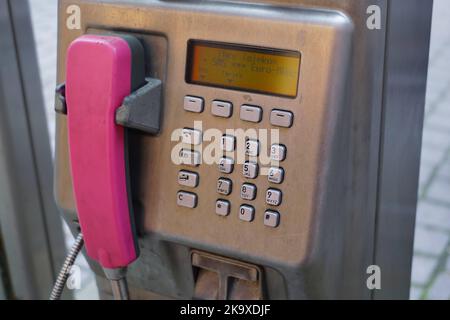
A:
(248, 192)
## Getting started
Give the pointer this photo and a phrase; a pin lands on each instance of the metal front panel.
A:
(323, 38)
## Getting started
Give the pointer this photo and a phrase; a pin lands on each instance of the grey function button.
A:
(222, 109)
(189, 157)
(188, 178)
(281, 118)
(271, 218)
(250, 113)
(246, 213)
(186, 199)
(193, 104)
(222, 207)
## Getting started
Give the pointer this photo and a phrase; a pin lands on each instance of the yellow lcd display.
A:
(252, 69)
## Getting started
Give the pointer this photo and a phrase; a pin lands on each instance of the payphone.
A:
(247, 189)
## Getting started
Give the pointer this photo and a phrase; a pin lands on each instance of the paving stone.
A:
(440, 289)
(439, 190)
(422, 269)
(429, 241)
(432, 214)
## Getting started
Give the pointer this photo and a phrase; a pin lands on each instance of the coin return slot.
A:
(219, 278)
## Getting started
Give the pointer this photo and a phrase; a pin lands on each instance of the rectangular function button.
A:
(224, 186)
(188, 178)
(189, 157)
(250, 113)
(281, 118)
(276, 175)
(191, 136)
(248, 191)
(226, 165)
(186, 199)
(222, 108)
(193, 104)
(273, 197)
(246, 213)
(250, 170)
(252, 148)
(277, 152)
(271, 218)
(222, 207)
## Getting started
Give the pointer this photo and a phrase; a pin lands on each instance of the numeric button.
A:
(276, 175)
(226, 165)
(252, 148)
(224, 186)
(250, 170)
(246, 213)
(273, 197)
(248, 191)
(227, 143)
(278, 152)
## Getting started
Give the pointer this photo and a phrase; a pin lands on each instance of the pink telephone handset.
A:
(101, 72)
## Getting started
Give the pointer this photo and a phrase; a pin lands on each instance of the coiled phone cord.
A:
(65, 270)
(117, 277)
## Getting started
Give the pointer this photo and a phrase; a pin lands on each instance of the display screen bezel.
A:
(264, 50)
